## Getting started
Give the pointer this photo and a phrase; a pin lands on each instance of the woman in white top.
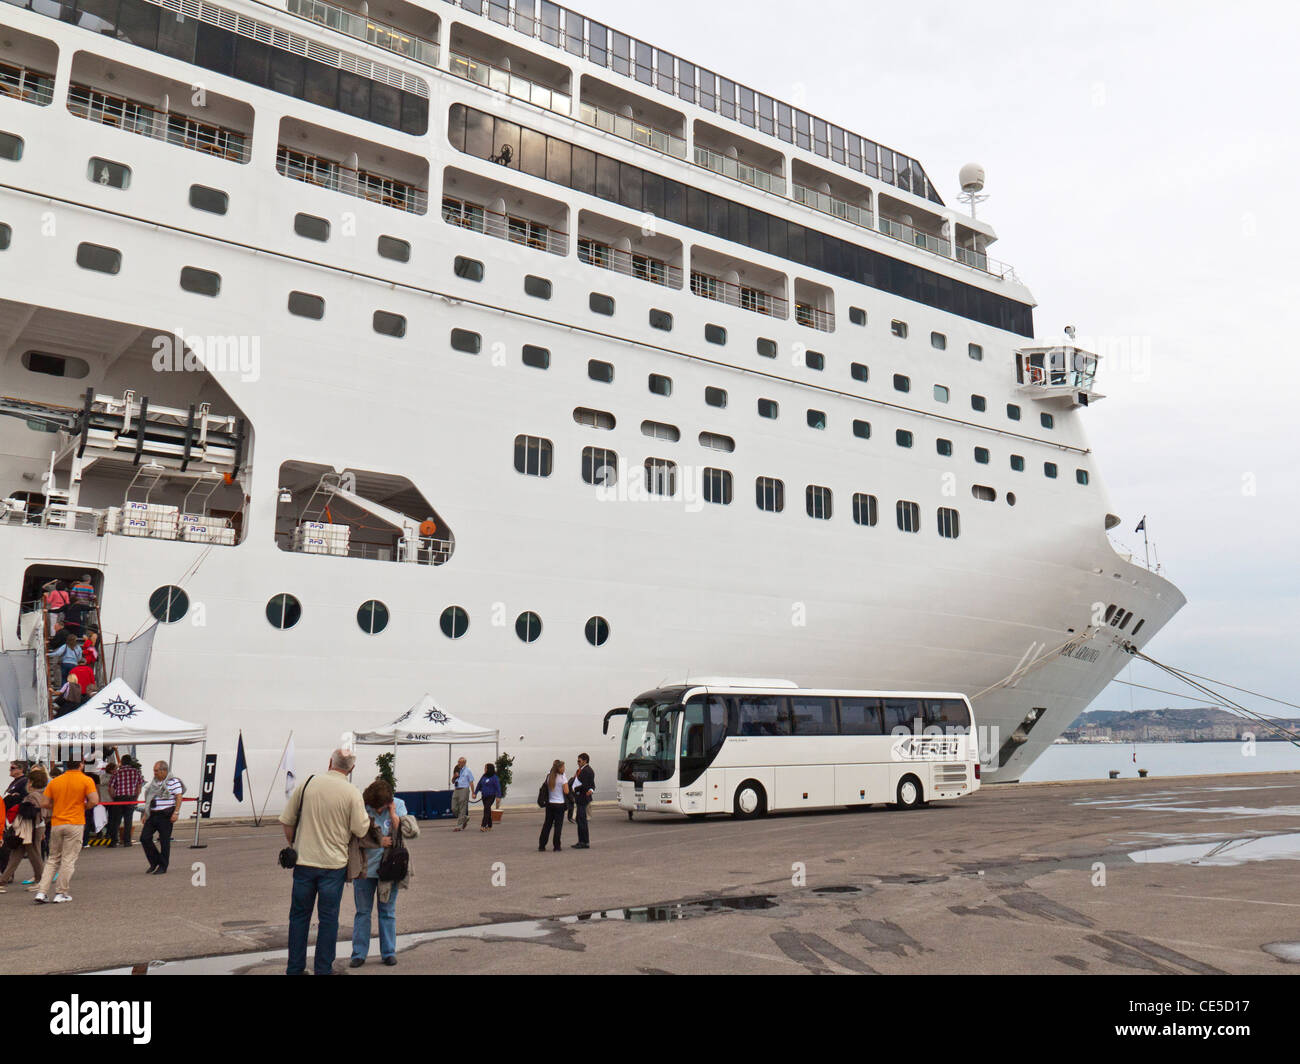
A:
(557, 786)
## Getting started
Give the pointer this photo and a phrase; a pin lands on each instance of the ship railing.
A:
(838, 208)
(734, 295)
(630, 264)
(484, 73)
(909, 235)
(364, 184)
(72, 518)
(814, 317)
(515, 228)
(364, 28)
(134, 117)
(629, 129)
(738, 171)
(25, 84)
(980, 261)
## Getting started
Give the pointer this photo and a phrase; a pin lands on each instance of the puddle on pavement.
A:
(513, 931)
(1284, 951)
(1226, 853)
(837, 890)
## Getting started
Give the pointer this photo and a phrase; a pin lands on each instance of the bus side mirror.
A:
(604, 728)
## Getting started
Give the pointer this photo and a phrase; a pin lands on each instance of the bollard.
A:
(1142, 772)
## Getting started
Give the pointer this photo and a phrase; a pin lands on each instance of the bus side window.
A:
(861, 716)
(763, 715)
(901, 715)
(813, 716)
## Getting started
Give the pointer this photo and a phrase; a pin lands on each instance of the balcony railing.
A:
(838, 208)
(979, 261)
(813, 317)
(364, 184)
(909, 235)
(734, 295)
(630, 264)
(363, 28)
(29, 86)
(483, 73)
(516, 229)
(178, 129)
(738, 171)
(629, 129)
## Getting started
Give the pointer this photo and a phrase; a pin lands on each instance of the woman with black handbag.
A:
(378, 866)
(555, 790)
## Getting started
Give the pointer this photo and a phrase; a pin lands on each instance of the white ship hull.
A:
(687, 588)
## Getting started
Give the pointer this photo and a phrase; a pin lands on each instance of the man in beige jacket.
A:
(323, 815)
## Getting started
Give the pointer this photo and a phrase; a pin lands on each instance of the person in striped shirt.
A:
(162, 805)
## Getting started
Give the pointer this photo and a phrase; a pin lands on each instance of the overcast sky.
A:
(1142, 161)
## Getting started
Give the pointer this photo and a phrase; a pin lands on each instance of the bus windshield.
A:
(648, 751)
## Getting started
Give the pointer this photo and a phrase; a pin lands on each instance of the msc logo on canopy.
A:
(437, 716)
(120, 709)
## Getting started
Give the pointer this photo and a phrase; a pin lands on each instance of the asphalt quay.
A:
(1193, 875)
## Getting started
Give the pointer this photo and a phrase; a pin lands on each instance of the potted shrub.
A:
(504, 761)
(385, 763)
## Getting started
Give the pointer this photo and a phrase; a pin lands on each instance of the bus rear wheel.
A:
(909, 793)
(750, 801)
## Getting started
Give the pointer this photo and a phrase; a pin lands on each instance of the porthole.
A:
(597, 631)
(212, 200)
(766, 348)
(601, 304)
(1011, 498)
(11, 147)
(169, 604)
(283, 611)
(311, 227)
(454, 622)
(372, 617)
(528, 627)
(538, 287)
(661, 319)
(715, 334)
(468, 269)
(857, 316)
(390, 247)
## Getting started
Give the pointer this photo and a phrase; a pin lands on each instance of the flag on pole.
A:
(241, 766)
(290, 777)
(1142, 525)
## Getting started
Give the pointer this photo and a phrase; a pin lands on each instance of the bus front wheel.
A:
(629, 814)
(909, 793)
(750, 800)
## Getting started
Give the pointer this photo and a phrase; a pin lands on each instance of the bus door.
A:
(703, 729)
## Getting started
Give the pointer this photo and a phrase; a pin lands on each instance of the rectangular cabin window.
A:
(311, 227)
(389, 324)
(599, 466)
(657, 430)
(769, 408)
(769, 494)
(537, 287)
(865, 510)
(99, 258)
(660, 385)
(717, 486)
(306, 305)
(108, 173)
(909, 516)
(471, 343)
(212, 200)
(600, 371)
(536, 357)
(949, 522)
(661, 476)
(390, 247)
(533, 456)
(200, 282)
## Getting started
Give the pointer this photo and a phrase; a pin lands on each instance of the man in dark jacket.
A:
(582, 788)
(14, 795)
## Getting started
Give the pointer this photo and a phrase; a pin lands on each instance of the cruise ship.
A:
(480, 350)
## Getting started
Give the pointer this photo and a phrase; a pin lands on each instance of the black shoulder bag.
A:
(289, 856)
(395, 865)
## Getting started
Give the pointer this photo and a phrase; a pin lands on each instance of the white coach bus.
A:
(749, 747)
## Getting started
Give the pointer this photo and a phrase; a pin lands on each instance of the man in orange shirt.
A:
(67, 798)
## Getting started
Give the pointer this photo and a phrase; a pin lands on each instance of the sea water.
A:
(1093, 761)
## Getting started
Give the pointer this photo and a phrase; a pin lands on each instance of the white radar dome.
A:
(972, 177)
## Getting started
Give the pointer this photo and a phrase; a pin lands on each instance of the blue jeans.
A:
(320, 889)
(363, 892)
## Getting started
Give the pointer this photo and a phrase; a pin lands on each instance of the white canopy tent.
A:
(425, 724)
(117, 716)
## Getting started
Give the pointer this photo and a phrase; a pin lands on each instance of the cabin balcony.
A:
(505, 212)
(1063, 373)
(632, 118)
(814, 305)
(514, 71)
(27, 68)
(340, 163)
(739, 159)
(141, 103)
(725, 279)
(831, 195)
(907, 224)
(405, 29)
(617, 246)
